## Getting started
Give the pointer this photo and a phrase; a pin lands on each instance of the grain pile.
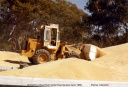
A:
(111, 67)
(11, 59)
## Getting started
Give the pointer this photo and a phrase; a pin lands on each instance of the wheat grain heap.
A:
(111, 67)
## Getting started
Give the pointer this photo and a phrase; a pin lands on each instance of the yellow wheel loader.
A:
(47, 46)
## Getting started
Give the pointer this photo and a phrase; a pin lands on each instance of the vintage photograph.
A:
(64, 43)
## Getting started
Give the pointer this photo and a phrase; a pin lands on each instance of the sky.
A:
(80, 4)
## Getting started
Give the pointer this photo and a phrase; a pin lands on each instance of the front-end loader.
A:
(47, 46)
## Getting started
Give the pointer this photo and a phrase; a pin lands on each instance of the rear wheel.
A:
(41, 56)
(72, 55)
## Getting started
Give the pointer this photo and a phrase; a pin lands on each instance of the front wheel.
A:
(41, 56)
(72, 55)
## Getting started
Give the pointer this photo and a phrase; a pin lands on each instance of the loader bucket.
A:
(90, 52)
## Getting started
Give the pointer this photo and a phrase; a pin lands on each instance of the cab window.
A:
(48, 35)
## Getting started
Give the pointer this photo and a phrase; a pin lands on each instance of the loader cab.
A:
(51, 36)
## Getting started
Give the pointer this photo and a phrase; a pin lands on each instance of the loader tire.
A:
(41, 56)
(72, 55)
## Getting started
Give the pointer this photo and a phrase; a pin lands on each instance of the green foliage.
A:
(107, 16)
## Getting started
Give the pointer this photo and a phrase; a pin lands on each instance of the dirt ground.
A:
(111, 67)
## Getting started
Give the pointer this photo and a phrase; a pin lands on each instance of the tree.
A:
(107, 16)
